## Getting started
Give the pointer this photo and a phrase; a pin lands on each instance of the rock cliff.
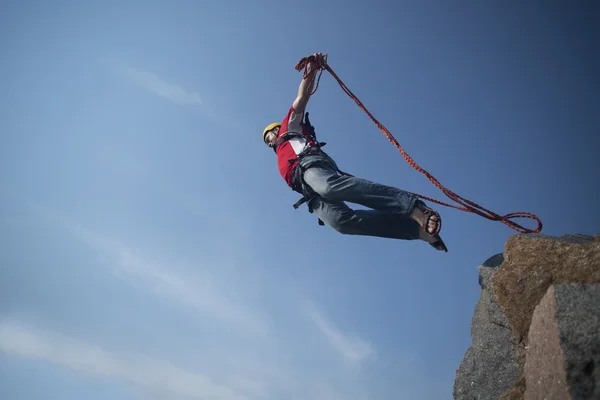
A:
(536, 326)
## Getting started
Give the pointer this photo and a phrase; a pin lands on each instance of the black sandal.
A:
(439, 244)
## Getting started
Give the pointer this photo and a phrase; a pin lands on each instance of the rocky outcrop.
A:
(513, 284)
(490, 365)
(563, 345)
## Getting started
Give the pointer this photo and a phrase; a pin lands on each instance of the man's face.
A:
(271, 136)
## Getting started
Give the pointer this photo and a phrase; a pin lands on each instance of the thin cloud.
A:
(255, 358)
(201, 293)
(352, 348)
(141, 370)
(154, 84)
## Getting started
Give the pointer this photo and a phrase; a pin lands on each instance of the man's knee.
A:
(346, 224)
(346, 229)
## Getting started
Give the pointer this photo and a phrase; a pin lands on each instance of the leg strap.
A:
(307, 193)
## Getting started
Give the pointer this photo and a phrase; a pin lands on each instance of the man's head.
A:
(270, 133)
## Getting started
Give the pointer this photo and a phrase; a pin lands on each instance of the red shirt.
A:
(290, 149)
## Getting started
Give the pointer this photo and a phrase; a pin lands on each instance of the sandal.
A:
(428, 213)
(439, 244)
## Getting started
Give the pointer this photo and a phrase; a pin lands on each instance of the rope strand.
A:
(468, 205)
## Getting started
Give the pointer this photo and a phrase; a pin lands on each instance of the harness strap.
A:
(300, 186)
(307, 193)
(285, 136)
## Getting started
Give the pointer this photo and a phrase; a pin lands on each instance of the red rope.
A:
(468, 205)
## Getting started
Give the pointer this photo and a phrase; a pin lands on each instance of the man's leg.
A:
(334, 187)
(380, 223)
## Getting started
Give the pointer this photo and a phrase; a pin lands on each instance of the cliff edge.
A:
(536, 327)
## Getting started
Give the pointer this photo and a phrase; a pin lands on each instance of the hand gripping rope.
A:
(468, 205)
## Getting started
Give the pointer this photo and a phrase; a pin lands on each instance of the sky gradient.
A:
(150, 249)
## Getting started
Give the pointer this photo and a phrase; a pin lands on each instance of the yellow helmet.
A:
(269, 127)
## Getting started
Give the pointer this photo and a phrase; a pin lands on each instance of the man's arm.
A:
(307, 84)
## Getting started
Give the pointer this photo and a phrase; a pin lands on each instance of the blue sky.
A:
(149, 246)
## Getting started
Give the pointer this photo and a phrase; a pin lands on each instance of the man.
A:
(310, 171)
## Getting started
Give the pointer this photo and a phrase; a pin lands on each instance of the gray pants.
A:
(390, 207)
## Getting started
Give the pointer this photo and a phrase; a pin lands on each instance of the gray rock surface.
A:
(513, 285)
(490, 366)
(563, 355)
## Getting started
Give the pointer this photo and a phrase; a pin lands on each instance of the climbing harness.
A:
(468, 205)
(298, 184)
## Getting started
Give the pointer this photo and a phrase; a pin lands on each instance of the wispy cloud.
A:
(244, 351)
(199, 291)
(154, 84)
(136, 368)
(352, 348)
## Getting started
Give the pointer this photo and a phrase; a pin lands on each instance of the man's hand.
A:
(314, 63)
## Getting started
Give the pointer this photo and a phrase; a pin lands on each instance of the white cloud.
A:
(252, 356)
(136, 368)
(200, 291)
(352, 348)
(154, 84)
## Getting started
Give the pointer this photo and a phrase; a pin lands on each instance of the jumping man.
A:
(307, 169)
